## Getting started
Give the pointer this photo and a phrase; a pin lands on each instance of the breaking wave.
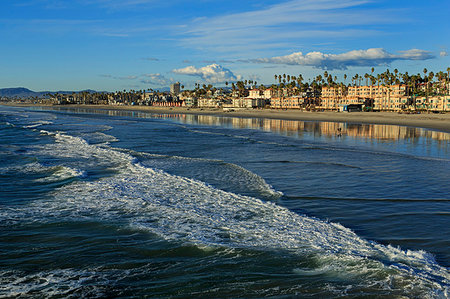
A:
(187, 210)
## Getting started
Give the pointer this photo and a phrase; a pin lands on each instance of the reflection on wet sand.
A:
(292, 127)
(327, 129)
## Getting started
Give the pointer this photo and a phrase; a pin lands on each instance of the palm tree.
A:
(299, 81)
(448, 80)
(425, 71)
(430, 79)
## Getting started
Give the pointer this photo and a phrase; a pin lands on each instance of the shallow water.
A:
(113, 203)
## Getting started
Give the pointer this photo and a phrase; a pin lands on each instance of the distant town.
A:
(388, 91)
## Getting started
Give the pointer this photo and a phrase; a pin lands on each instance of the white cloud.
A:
(369, 57)
(151, 79)
(443, 53)
(119, 78)
(156, 79)
(213, 73)
(126, 78)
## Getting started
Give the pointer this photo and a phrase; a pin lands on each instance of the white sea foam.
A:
(38, 124)
(100, 137)
(50, 173)
(182, 209)
(60, 173)
(208, 170)
(8, 124)
(53, 283)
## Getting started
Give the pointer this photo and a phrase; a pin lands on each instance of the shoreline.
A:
(433, 121)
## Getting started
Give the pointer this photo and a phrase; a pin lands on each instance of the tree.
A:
(425, 71)
(430, 79)
(299, 82)
(448, 80)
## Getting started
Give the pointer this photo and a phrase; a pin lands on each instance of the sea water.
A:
(102, 203)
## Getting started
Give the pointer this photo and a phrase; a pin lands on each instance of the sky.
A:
(110, 45)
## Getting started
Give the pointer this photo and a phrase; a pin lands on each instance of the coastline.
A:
(438, 122)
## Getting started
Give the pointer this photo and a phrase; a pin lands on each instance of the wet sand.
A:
(435, 121)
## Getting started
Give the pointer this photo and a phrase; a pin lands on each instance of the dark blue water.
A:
(125, 204)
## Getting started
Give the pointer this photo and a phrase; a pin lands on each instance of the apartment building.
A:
(209, 103)
(437, 103)
(287, 102)
(379, 97)
(248, 103)
(175, 88)
(333, 97)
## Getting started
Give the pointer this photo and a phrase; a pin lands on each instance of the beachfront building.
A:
(294, 102)
(436, 103)
(209, 103)
(190, 102)
(248, 103)
(175, 88)
(333, 97)
(394, 98)
(255, 94)
(376, 97)
(269, 93)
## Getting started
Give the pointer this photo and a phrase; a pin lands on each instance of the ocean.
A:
(101, 203)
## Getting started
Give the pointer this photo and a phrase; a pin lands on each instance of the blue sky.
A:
(138, 44)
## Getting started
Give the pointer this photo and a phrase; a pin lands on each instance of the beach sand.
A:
(435, 121)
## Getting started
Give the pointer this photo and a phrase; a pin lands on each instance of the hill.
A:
(22, 92)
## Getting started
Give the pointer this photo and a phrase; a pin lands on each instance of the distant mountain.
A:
(22, 92)
(19, 92)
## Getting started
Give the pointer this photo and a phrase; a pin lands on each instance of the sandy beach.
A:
(434, 121)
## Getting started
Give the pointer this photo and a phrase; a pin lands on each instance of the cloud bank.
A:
(213, 73)
(156, 79)
(119, 78)
(152, 79)
(369, 57)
